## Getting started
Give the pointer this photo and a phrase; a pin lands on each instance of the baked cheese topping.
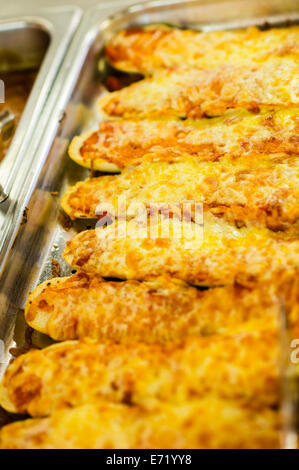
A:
(193, 92)
(261, 188)
(146, 50)
(242, 367)
(160, 310)
(121, 143)
(154, 362)
(218, 254)
(208, 423)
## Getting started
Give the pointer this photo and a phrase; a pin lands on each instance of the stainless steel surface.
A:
(38, 40)
(32, 237)
(14, 7)
(7, 125)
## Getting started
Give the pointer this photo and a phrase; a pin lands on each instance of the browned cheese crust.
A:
(115, 145)
(240, 367)
(194, 93)
(200, 424)
(218, 254)
(146, 50)
(164, 309)
(260, 190)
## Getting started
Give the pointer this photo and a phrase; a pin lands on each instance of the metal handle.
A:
(7, 127)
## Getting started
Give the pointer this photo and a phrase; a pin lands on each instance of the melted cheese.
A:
(121, 143)
(262, 189)
(160, 310)
(219, 388)
(146, 50)
(222, 254)
(207, 423)
(195, 92)
(244, 368)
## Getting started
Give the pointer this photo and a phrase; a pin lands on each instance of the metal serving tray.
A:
(33, 235)
(38, 40)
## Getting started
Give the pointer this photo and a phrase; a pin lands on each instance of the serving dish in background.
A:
(23, 46)
(18, 85)
(33, 234)
(32, 47)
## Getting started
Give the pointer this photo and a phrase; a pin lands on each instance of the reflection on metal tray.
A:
(18, 85)
(33, 234)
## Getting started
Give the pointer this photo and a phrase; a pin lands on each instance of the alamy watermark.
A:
(295, 353)
(142, 220)
(294, 89)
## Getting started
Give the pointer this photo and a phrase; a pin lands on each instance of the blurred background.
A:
(16, 6)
